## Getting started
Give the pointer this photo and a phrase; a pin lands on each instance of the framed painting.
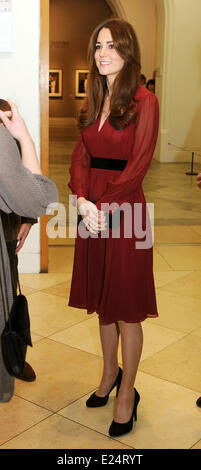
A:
(55, 83)
(81, 83)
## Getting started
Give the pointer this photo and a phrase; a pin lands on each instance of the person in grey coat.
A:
(23, 190)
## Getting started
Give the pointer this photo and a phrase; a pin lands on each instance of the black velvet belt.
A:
(108, 163)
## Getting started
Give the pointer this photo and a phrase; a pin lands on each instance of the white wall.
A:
(185, 116)
(179, 87)
(142, 15)
(178, 60)
(19, 81)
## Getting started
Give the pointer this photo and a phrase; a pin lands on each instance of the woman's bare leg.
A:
(131, 341)
(109, 335)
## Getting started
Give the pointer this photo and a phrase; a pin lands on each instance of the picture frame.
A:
(81, 82)
(55, 83)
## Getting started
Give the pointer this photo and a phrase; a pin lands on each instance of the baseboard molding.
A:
(177, 157)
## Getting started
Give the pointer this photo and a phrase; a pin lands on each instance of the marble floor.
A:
(50, 413)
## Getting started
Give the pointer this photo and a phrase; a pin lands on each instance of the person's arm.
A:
(29, 155)
(79, 170)
(145, 136)
(28, 220)
(16, 126)
(79, 185)
(21, 191)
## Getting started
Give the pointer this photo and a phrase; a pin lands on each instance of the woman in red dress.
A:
(112, 274)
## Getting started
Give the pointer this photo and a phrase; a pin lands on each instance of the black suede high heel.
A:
(94, 401)
(117, 429)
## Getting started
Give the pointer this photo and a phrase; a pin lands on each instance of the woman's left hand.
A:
(94, 219)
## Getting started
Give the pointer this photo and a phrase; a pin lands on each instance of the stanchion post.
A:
(192, 172)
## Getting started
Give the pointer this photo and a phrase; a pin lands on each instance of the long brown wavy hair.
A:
(122, 104)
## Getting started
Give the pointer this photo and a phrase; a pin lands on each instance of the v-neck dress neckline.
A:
(99, 119)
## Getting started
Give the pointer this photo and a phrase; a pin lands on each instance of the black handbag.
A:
(16, 334)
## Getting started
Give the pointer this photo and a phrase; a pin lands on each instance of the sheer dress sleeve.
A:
(21, 191)
(146, 132)
(79, 170)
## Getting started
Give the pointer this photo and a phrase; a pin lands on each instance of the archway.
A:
(117, 8)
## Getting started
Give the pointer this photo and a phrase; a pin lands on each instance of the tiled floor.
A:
(51, 412)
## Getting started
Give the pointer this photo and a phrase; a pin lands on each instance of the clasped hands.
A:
(94, 219)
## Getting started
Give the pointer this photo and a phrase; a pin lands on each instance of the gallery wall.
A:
(71, 24)
(178, 84)
(142, 14)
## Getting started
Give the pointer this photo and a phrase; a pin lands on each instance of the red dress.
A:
(110, 275)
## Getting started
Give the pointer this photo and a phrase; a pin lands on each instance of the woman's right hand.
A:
(15, 123)
(94, 219)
